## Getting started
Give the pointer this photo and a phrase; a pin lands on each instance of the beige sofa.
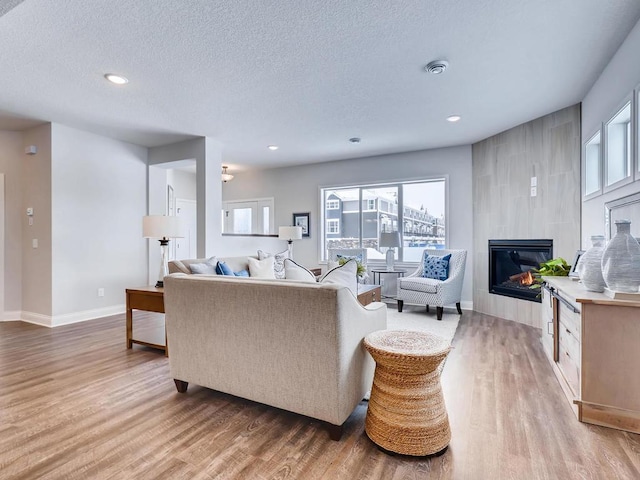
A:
(295, 346)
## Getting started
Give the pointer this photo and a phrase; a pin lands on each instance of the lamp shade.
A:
(289, 233)
(390, 239)
(161, 226)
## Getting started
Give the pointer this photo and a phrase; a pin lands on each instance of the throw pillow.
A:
(261, 268)
(241, 273)
(278, 266)
(206, 268)
(362, 269)
(344, 275)
(223, 269)
(436, 267)
(293, 271)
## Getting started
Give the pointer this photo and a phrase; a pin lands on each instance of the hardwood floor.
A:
(75, 403)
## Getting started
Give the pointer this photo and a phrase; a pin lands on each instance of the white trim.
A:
(11, 316)
(2, 245)
(69, 318)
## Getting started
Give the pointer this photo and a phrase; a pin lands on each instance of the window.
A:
(333, 226)
(618, 146)
(415, 209)
(248, 217)
(592, 166)
(333, 204)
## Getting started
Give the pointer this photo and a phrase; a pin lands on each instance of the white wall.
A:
(36, 193)
(98, 201)
(183, 183)
(617, 80)
(11, 157)
(297, 189)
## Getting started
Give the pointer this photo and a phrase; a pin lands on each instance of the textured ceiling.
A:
(303, 74)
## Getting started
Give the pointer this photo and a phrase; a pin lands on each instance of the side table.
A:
(406, 412)
(379, 273)
(368, 294)
(150, 299)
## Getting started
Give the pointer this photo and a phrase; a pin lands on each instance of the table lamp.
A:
(163, 228)
(290, 234)
(391, 240)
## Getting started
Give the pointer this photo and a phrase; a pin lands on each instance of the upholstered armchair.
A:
(360, 254)
(418, 290)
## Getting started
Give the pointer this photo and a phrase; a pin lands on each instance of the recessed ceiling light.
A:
(117, 79)
(454, 118)
(437, 66)
(273, 147)
(354, 140)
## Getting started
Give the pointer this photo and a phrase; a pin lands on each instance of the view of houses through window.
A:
(354, 217)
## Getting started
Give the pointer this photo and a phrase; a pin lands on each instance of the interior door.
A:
(186, 247)
(241, 217)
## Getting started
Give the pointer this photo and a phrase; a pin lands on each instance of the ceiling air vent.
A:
(437, 67)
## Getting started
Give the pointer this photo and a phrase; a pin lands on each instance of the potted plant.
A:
(556, 267)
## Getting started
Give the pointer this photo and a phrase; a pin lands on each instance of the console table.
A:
(150, 299)
(592, 343)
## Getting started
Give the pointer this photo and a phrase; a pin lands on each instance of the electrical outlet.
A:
(101, 292)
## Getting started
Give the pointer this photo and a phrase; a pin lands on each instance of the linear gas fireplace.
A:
(511, 263)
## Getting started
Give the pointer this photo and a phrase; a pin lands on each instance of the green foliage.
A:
(361, 268)
(556, 267)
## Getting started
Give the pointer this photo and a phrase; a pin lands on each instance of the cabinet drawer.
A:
(569, 361)
(568, 341)
(571, 320)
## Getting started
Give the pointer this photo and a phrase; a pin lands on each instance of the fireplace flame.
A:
(526, 279)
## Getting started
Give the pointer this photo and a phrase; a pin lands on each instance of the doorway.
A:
(186, 247)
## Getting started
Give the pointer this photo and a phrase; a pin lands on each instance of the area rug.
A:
(415, 317)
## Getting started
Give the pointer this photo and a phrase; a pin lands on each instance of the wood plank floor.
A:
(76, 404)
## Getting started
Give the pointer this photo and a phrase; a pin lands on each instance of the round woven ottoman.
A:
(406, 411)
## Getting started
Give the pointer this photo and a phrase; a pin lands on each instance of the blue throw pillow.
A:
(241, 273)
(436, 267)
(223, 269)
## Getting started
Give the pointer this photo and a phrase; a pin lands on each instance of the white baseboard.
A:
(67, 318)
(467, 305)
(11, 316)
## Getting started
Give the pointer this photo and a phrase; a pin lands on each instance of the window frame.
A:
(628, 100)
(598, 192)
(400, 211)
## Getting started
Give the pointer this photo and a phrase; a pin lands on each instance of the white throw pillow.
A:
(293, 271)
(208, 267)
(278, 265)
(346, 275)
(261, 268)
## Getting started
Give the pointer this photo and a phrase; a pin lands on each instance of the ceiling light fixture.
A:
(454, 118)
(117, 79)
(226, 177)
(437, 67)
(354, 140)
(273, 147)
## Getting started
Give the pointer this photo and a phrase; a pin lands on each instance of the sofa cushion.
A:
(344, 275)
(223, 269)
(420, 284)
(436, 267)
(262, 268)
(208, 267)
(293, 271)
(278, 265)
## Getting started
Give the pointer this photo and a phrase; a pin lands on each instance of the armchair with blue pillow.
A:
(437, 281)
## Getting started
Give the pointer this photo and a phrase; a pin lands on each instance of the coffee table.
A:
(149, 299)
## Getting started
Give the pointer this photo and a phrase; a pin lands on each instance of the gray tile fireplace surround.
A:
(547, 148)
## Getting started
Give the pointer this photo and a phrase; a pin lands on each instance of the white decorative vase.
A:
(590, 266)
(621, 260)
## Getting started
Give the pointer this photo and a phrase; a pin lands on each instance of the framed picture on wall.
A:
(302, 220)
